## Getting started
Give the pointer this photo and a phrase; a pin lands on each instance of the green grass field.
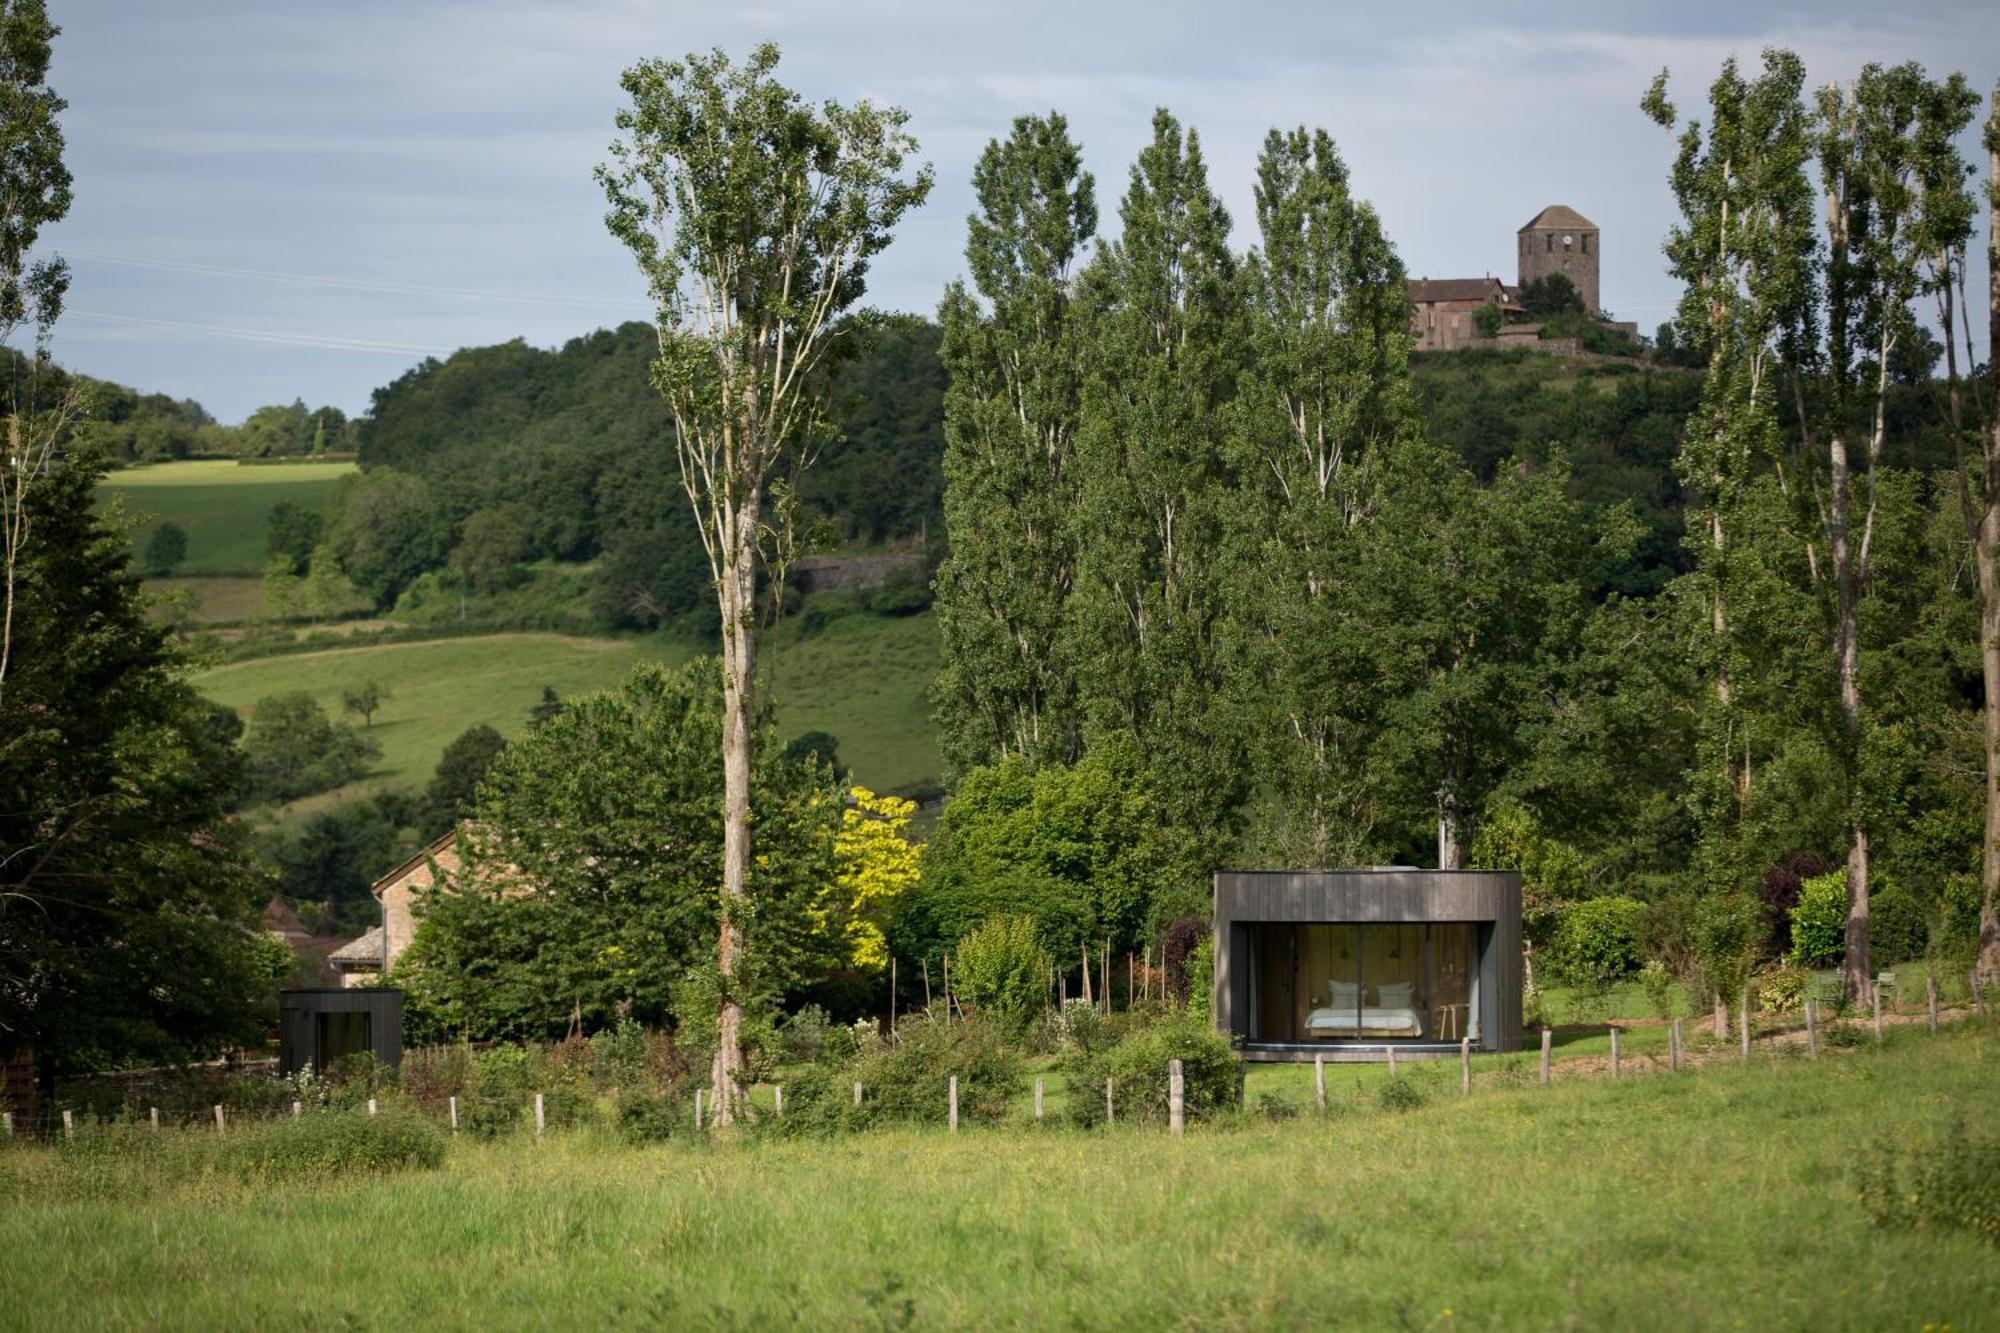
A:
(1723, 1198)
(862, 678)
(221, 504)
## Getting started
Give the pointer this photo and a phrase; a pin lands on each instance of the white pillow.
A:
(1344, 994)
(1395, 995)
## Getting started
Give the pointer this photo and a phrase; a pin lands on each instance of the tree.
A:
(588, 880)
(292, 531)
(454, 787)
(492, 543)
(165, 549)
(875, 864)
(1487, 319)
(34, 192)
(283, 592)
(753, 217)
(1000, 968)
(1552, 294)
(326, 590)
(292, 749)
(365, 700)
(384, 531)
(1147, 639)
(548, 706)
(128, 898)
(822, 746)
(1016, 353)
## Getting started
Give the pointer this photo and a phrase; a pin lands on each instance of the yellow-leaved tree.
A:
(875, 863)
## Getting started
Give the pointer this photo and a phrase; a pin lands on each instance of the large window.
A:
(1343, 982)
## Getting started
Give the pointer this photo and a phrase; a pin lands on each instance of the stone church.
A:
(1556, 240)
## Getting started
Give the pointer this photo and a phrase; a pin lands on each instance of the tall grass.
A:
(1724, 1197)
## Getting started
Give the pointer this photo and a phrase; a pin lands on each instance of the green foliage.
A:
(165, 549)
(327, 861)
(1080, 850)
(1597, 941)
(365, 700)
(1487, 320)
(1899, 927)
(1001, 969)
(1402, 1094)
(455, 785)
(1782, 990)
(1950, 1183)
(578, 812)
(1552, 294)
(1137, 1066)
(291, 532)
(292, 749)
(1201, 978)
(386, 528)
(907, 1082)
(1663, 989)
(1819, 922)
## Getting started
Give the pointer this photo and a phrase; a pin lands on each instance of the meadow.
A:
(1725, 1197)
(862, 678)
(221, 504)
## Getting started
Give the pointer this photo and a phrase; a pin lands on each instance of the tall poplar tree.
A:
(753, 217)
(1148, 638)
(1327, 394)
(1017, 357)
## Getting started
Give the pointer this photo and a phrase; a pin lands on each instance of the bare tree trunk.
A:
(1987, 548)
(1855, 976)
(1451, 833)
(737, 590)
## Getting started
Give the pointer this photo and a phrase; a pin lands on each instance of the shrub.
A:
(650, 1117)
(1781, 990)
(1819, 921)
(1951, 1182)
(1137, 1067)
(1661, 987)
(1780, 894)
(1201, 978)
(1401, 1094)
(333, 1144)
(1003, 970)
(802, 1036)
(907, 1081)
(1899, 929)
(1597, 941)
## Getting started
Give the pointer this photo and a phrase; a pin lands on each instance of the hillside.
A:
(222, 505)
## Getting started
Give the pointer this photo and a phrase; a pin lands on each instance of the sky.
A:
(281, 199)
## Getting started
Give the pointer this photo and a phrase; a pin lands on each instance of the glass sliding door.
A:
(1314, 982)
(1454, 1009)
(1329, 991)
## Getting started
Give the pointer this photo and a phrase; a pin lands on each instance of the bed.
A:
(1393, 1014)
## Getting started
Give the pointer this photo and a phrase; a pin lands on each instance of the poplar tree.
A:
(1326, 396)
(1017, 358)
(1149, 644)
(753, 216)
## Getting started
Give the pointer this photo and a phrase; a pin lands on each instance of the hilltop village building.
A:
(1444, 311)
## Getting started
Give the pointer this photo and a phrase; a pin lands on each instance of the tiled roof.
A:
(367, 949)
(1425, 291)
(1558, 215)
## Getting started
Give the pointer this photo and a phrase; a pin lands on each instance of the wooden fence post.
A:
(1674, 1045)
(1743, 1024)
(1812, 1028)
(1465, 1066)
(454, 1114)
(371, 1104)
(857, 1096)
(778, 1096)
(1110, 1113)
(1614, 1052)
(1876, 992)
(540, 1122)
(1176, 1099)
(1930, 997)
(297, 1110)
(155, 1118)
(1978, 993)
(1319, 1080)
(697, 1110)
(1392, 1064)
(954, 1103)
(7, 1119)
(69, 1124)
(219, 1127)
(1038, 1099)
(1546, 1036)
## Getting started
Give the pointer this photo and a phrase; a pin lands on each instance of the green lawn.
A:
(862, 678)
(221, 504)
(1722, 1198)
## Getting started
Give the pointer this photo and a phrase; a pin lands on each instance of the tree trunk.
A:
(1451, 833)
(1987, 550)
(1855, 976)
(737, 593)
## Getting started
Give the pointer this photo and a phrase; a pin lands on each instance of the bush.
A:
(1782, 990)
(650, 1117)
(1002, 969)
(333, 1144)
(1899, 929)
(1819, 921)
(1597, 941)
(1401, 1094)
(1137, 1067)
(907, 1081)
(802, 1036)
(1951, 1182)
(1201, 978)
(1661, 987)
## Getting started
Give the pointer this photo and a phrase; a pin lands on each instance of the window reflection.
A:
(1345, 982)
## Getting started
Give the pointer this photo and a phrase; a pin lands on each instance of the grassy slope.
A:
(221, 504)
(1717, 1199)
(862, 678)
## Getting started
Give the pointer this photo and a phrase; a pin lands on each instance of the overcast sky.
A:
(302, 198)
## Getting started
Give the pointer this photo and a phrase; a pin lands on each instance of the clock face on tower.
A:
(1568, 241)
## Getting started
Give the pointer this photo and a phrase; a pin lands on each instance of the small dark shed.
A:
(1349, 964)
(318, 1026)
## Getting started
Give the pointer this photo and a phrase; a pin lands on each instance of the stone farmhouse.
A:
(1444, 311)
(366, 960)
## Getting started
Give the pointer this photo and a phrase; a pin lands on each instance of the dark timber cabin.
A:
(1348, 964)
(319, 1026)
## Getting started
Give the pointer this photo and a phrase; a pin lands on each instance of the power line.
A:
(372, 285)
(323, 341)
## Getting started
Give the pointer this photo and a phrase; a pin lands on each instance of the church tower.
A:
(1561, 240)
